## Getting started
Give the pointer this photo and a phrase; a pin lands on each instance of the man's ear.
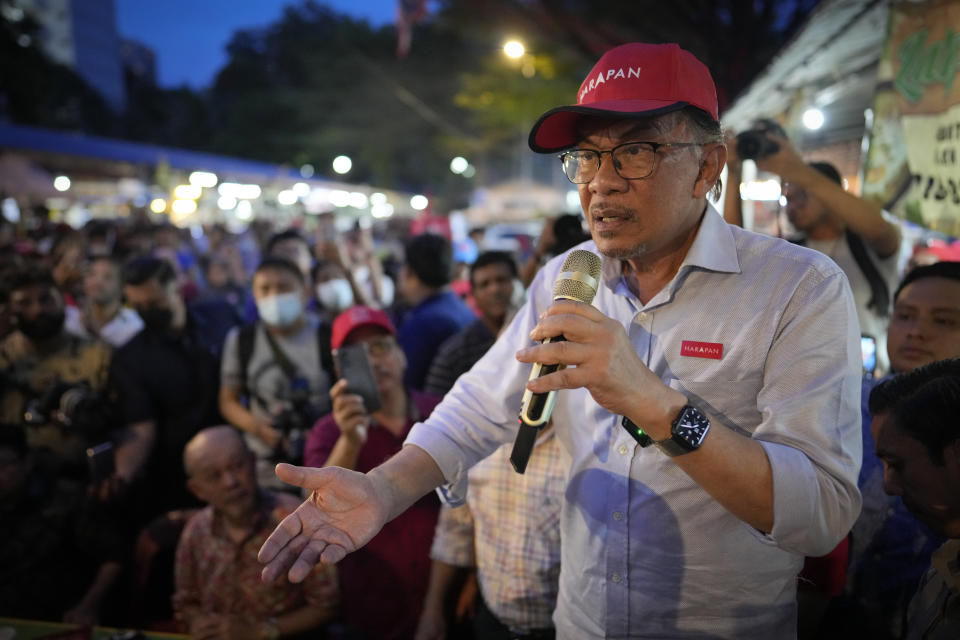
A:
(713, 158)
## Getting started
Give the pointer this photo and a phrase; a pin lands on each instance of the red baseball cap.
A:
(631, 80)
(354, 318)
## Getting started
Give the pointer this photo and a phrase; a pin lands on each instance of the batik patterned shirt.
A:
(214, 574)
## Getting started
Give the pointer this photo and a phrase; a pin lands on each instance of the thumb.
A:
(304, 477)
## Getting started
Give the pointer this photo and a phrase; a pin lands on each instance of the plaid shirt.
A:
(935, 609)
(216, 575)
(510, 530)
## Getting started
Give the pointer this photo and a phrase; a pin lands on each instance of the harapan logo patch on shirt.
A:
(694, 349)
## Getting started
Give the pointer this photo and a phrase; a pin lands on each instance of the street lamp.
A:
(342, 164)
(419, 202)
(813, 118)
(514, 49)
(458, 165)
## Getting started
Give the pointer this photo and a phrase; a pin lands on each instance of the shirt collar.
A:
(714, 249)
(265, 505)
(946, 561)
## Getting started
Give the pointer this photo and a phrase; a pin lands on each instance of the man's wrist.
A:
(671, 403)
(258, 427)
(355, 437)
(382, 489)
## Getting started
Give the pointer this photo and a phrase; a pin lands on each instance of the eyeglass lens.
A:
(631, 161)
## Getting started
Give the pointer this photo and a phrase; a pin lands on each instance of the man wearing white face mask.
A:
(335, 295)
(334, 290)
(274, 376)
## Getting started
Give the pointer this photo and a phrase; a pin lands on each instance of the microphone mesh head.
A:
(579, 262)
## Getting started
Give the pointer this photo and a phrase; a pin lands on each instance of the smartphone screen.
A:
(868, 350)
(353, 364)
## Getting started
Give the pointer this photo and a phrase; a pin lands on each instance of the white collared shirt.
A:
(118, 332)
(646, 552)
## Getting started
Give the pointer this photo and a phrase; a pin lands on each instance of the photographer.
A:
(275, 373)
(853, 232)
(52, 382)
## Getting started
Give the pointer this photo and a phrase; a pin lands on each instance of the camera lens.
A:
(753, 144)
(749, 145)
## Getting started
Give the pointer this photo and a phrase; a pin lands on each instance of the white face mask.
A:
(335, 295)
(281, 310)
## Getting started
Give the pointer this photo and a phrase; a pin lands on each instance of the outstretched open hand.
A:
(342, 513)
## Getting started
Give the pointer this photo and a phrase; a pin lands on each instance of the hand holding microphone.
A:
(606, 365)
(578, 280)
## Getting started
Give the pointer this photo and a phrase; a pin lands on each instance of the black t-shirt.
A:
(171, 379)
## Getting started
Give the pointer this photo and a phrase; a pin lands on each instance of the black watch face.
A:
(691, 427)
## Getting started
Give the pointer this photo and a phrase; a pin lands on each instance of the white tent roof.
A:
(831, 63)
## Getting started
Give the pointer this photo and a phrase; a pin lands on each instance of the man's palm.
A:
(341, 515)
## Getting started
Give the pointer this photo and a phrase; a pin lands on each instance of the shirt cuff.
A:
(798, 523)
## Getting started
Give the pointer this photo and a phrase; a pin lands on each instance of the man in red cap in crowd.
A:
(709, 406)
(384, 584)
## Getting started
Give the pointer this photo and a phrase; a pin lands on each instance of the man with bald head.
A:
(219, 594)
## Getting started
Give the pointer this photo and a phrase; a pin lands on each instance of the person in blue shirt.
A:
(889, 549)
(435, 312)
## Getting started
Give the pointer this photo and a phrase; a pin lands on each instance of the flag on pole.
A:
(409, 13)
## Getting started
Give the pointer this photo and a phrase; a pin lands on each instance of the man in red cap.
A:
(384, 584)
(709, 407)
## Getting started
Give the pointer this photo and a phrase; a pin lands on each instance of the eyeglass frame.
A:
(380, 345)
(655, 146)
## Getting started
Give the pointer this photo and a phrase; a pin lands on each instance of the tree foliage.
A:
(734, 38)
(317, 84)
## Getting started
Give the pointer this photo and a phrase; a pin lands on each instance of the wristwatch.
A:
(686, 433)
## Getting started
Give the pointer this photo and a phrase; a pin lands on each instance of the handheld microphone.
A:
(578, 280)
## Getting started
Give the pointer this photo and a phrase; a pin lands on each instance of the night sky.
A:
(189, 37)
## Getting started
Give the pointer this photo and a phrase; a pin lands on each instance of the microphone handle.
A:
(523, 447)
(536, 408)
(534, 415)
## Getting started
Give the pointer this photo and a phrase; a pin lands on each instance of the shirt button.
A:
(642, 316)
(622, 449)
(616, 578)
(618, 516)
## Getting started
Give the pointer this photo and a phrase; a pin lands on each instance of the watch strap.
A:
(672, 448)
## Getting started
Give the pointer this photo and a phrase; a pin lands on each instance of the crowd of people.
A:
(151, 380)
(773, 485)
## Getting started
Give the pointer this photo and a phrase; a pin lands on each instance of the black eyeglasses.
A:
(631, 160)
